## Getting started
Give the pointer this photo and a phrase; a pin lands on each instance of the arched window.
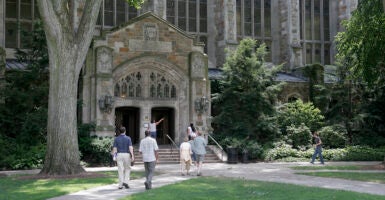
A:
(160, 86)
(131, 86)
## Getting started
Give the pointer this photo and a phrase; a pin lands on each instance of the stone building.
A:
(157, 61)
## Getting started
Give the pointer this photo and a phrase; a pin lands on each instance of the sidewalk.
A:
(272, 172)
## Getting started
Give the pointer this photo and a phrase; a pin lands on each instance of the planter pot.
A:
(232, 155)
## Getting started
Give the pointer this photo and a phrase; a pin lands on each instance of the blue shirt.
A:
(122, 143)
(199, 145)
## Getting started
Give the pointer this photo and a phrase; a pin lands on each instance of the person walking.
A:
(149, 150)
(124, 152)
(152, 127)
(318, 148)
(185, 157)
(199, 147)
(191, 132)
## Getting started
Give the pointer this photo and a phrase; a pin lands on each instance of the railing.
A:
(172, 143)
(218, 145)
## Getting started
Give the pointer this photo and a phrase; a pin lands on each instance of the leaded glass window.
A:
(19, 17)
(161, 87)
(315, 31)
(188, 15)
(129, 86)
(115, 12)
(253, 18)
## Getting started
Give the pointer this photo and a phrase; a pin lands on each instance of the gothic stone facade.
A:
(153, 70)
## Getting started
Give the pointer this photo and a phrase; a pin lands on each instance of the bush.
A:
(281, 150)
(299, 136)
(96, 150)
(296, 113)
(351, 153)
(333, 136)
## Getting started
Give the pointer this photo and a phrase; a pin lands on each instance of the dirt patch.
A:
(82, 175)
(374, 167)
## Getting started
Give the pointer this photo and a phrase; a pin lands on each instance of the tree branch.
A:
(87, 25)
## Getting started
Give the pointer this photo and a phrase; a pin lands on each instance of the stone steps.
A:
(168, 155)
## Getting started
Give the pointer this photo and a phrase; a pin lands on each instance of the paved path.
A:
(272, 172)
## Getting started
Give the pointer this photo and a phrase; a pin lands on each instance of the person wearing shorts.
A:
(199, 148)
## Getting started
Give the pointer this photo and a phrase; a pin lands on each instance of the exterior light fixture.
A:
(106, 103)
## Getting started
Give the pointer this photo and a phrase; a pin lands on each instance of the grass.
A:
(358, 176)
(20, 187)
(228, 188)
(342, 167)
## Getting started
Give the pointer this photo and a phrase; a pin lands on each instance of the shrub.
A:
(296, 113)
(96, 150)
(333, 136)
(281, 150)
(299, 136)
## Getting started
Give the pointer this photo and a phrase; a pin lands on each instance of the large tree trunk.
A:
(67, 47)
(62, 155)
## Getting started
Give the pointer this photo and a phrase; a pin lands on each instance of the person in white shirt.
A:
(152, 127)
(149, 150)
(185, 157)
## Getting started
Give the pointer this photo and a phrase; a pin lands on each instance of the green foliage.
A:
(23, 113)
(299, 136)
(333, 136)
(362, 45)
(297, 113)
(281, 151)
(17, 156)
(94, 150)
(361, 48)
(248, 95)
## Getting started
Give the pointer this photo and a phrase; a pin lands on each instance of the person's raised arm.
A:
(159, 121)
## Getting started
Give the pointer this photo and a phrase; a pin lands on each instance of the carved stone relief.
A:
(197, 65)
(104, 60)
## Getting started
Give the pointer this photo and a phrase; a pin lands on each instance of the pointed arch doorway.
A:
(166, 127)
(129, 117)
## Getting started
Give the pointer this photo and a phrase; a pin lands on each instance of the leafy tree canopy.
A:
(362, 45)
(248, 95)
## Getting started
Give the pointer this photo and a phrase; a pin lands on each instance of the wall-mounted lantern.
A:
(106, 103)
(201, 105)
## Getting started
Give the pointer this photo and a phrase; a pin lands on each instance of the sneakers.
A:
(126, 185)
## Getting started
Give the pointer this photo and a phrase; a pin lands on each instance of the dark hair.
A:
(122, 129)
(192, 127)
(147, 133)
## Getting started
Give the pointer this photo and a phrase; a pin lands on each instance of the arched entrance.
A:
(129, 117)
(166, 127)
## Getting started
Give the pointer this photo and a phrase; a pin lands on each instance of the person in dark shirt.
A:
(317, 149)
(124, 152)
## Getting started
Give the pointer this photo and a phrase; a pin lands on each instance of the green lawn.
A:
(327, 167)
(358, 176)
(30, 189)
(227, 188)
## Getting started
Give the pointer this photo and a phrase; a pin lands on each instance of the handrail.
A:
(172, 141)
(220, 147)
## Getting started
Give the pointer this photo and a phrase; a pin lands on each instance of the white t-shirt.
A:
(191, 133)
(152, 127)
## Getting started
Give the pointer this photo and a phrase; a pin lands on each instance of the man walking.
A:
(318, 148)
(199, 148)
(124, 152)
(149, 150)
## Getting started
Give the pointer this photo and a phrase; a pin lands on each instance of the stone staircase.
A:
(170, 155)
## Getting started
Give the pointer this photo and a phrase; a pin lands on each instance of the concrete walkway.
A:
(272, 172)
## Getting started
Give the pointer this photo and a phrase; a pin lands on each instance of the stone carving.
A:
(197, 65)
(104, 59)
(150, 32)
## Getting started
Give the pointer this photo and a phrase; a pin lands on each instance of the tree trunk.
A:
(62, 155)
(68, 45)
